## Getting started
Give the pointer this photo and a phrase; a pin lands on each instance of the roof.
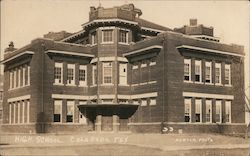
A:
(145, 23)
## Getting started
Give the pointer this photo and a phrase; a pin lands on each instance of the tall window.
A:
(197, 71)
(10, 113)
(57, 110)
(227, 74)
(198, 110)
(187, 69)
(11, 79)
(58, 73)
(144, 102)
(94, 74)
(208, 110)
(218, 111)
(107, 36)
(19, 78)
(24, 75)
(107, 72)
(70, 111)
(187, 104)
(123, 36)
(228, 111)
(18, 112)
(15, 79)
(123, 74)
(93, 38)
(28, 76)
(217, 73)
(208, 72)
(28, 111)
(82, 75)
(71, 74)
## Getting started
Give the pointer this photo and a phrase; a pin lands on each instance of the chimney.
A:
(10, 48)
(193, 22)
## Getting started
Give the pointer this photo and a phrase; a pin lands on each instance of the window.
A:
(11, 79)
(136, 102)
(187, 69)
(107, 101)
(58, 73)
(123, 36)
(14, 112)
(28, 111)
(107, 36)
(10, 113)
(208, 111)
(57, 110)
(152, 63)
(28, 76)
(70, 111)
(107, 72)
(24, 75)
(135, 66)
(123, 101)
(152, 101)
(217, 73)
(18, 112)
(218, 111)
(187, 103)
(94, 75)
(197, 71)
(144, 102)
(198, 110)
(23, 110)
(227, 74)
(143, 64)
(208, 72)
(1, 96)
(19, 78)
(15, 79)
(71, 74)
(228, 111)
(82, 75)
(123, 74)
(93, 38)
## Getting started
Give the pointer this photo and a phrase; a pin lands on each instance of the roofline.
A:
(143, 49)
(69, 53)
(16, 56)
(73, 35)
(151, 29)
(109, 20)
(210, 50)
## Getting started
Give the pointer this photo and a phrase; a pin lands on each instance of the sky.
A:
(25, 20)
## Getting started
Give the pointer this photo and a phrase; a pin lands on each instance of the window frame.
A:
(188, 102)
(198, 102)
(218, 103)
(228, 67)
(217, 66)
(105, 66)
(228, 103)
(126, 31)
(82, 82)
(57, 81)
(198, 63)
(112, 35)
(57, 102)
(208, 64)
(208, 103)
(187, 62)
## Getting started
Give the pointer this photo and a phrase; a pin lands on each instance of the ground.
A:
(123, 144)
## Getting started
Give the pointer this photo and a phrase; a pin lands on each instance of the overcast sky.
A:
(25, 20)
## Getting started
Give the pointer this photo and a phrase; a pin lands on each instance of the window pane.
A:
(107, 72)
(107, 35)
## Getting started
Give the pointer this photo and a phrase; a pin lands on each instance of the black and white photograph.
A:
(124, 78)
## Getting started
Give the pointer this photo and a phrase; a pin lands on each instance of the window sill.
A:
(58, 84)
(228, 85)
(107, 42)
(218, 84)
(206, 83)
(71, 85)
(82, 86)
(123, 85)
(123, 43)
(18, 87)
(198, 82)
(188, 81)
(107, 84)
